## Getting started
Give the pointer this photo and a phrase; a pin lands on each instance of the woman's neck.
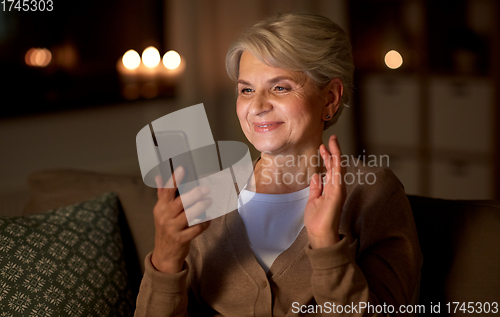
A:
(286, 173)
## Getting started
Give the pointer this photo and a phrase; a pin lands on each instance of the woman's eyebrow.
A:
(280, 78)
(241, 81)
(273, 80)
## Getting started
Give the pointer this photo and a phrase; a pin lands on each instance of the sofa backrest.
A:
(62, 187)
(460, 241)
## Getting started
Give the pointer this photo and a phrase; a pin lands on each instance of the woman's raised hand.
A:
(173, 235)
(324, 207)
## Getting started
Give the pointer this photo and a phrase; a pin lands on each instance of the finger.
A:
(181, 216)
(194, 195)
(176, 178)
(190, 233)
(194, 211)
(159, 186)
(315, 187)
(327, 159)
(326, 156)
(173, 182)
(336, 166)
(334, 145)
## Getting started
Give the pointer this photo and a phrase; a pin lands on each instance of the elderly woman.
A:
(299, 243)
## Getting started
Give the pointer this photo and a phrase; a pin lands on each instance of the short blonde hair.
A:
(304, 42)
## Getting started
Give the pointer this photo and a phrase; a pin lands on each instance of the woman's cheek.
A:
(241, 112)
(239, 108)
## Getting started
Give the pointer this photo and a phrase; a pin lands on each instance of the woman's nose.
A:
(260, 104)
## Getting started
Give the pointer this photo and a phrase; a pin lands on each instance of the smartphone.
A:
(173, 150)
(173, 147)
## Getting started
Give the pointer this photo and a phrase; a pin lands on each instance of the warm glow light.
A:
(65, 56)
(38, 57)
(171, 59)
(393, 59)
(28, 58)
(47, 57)
(151, 57)
(131, 59)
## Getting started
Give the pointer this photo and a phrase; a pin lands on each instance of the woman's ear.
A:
(334, 91)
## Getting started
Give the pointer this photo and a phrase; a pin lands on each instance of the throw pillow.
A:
(65, 262)
(62, 187)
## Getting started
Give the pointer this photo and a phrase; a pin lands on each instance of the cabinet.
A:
(436, 115)
(460, 132)
(461, 121)
(391, 123)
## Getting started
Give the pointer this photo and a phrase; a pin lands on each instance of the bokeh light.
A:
(151, 57)
(171, 59)
(393, 59)
(38, 57)
(131, 59)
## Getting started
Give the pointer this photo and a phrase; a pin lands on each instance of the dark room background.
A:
(436, 115)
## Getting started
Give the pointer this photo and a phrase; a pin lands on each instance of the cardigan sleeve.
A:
(387, 264)
(162, 294)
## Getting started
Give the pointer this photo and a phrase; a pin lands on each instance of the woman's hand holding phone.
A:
(173, 234)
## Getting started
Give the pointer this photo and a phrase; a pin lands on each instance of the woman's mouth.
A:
(265, 126)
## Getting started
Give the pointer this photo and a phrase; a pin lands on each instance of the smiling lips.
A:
(266, 126)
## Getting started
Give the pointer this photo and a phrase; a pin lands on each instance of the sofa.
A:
(459, 242)
(75, 211)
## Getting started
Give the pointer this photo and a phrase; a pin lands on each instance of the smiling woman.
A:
(306, 44)
(306, 232)
(277, 108)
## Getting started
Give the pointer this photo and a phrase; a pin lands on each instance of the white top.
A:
(272, 222)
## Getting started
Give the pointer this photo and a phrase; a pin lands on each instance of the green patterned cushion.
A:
(65, 262)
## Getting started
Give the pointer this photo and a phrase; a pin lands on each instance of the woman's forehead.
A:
(252, 68)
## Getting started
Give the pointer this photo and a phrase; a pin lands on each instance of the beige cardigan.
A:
(378, 261)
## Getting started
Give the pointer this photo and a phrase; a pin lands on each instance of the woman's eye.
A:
(280, 88)
(246, 90)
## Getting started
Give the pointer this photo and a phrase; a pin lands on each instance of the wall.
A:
(97, 139)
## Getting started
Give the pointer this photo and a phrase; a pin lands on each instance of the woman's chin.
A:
(268, 147)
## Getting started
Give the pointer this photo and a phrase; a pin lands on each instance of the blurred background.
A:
(79, 82)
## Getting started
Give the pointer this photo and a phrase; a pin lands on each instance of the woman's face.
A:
(280, 111)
